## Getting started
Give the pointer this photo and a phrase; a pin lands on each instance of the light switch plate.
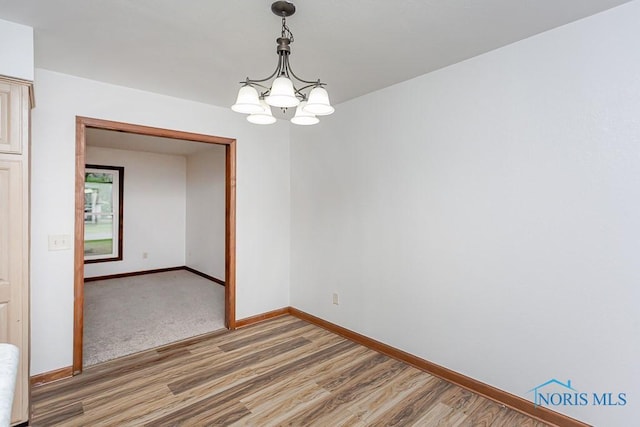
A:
(59, 242)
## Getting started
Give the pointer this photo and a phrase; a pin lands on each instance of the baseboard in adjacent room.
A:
(133, 273)
(157, 270)
(206, 276)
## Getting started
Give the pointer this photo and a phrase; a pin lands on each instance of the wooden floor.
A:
(281, 372)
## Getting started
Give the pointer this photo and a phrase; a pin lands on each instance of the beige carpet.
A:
(131, 314)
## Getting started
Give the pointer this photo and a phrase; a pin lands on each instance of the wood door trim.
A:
(230, 237)
(82, 123)
(78, 269)
(153, 131)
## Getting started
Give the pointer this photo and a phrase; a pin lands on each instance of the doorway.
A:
(84, 123)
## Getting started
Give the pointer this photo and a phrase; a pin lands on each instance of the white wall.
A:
(205, 225)
(263, 205)
(16, 50)
(154, 210)
(486, 216)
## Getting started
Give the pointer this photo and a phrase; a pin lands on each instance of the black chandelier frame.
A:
(284, 9)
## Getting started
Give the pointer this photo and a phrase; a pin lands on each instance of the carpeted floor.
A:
(131, 314)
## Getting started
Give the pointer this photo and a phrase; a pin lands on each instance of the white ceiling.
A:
(151, 144)
(201, 49)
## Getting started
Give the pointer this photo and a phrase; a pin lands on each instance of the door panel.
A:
(10, 120)
(12, 272)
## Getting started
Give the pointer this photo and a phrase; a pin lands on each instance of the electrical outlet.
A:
(59, 242)
(145, 255)
(335, 298)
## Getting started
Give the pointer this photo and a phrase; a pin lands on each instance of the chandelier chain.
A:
(286, 32)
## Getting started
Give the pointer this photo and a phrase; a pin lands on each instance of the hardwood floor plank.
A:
(260, 399)
(412, 409)
(96, 375)
(522, 420)
(281, 372)
(223, 418)
(297, 408)
(332, 410)
(191, 342)
(382, 399)
(236, 392)
(182, 385)
(320, 341)
(280, 409)
(372, 360)
(127, 407)
(205, 415)
(60, 415)
(357, 391)
(95, 384)
(441, 414)
(174, 371)
(275, 403)
(245, 332)
(215, 386)
(259, 337)
(485, 415)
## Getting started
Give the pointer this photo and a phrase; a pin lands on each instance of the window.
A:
(103, 213)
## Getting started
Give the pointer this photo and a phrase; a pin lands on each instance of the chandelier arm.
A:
(307, 87)
(277, 71)
(288, 67)
(298, 92)
(254, 83)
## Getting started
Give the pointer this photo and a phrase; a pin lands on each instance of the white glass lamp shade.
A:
(264, 117)
(282, 94)
(318, 102)
(302, 117)
(248, 101)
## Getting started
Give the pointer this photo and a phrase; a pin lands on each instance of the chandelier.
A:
(257, 96)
